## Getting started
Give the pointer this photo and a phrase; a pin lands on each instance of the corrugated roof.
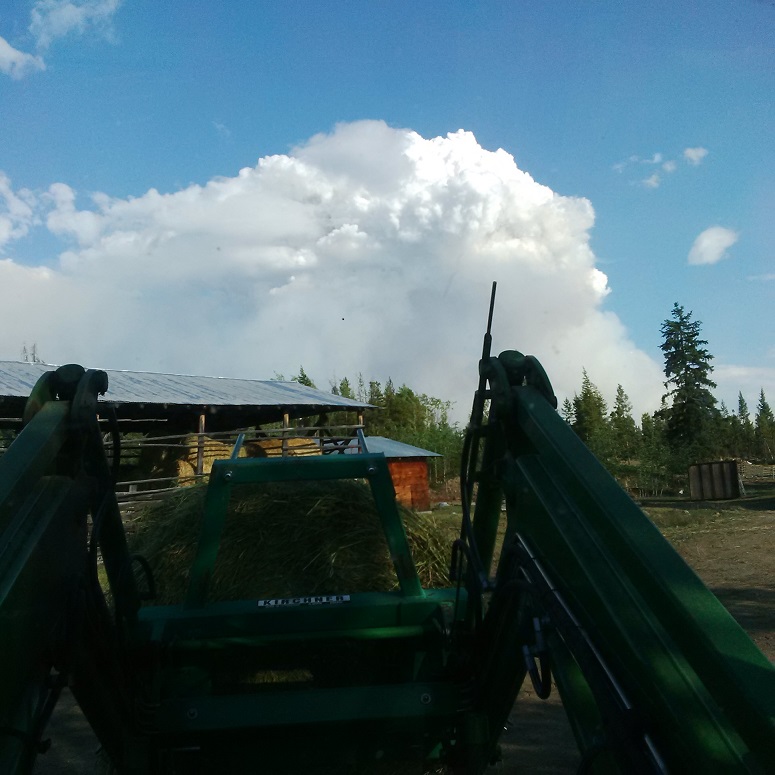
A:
(391, 448)
(18, 378)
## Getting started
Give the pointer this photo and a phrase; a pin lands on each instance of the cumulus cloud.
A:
(366, 250)
(652, 181)
(694, 156)
(711, 246)
(52, 19)
(16, 63)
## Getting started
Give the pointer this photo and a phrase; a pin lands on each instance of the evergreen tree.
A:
(345, 390)
(765, 430)
(567, 412)
(376, 396)
(360, 392)
(591, 420)
(724, 433)
(624, 431)
(690, 416)
(746, 437)
(302, 378)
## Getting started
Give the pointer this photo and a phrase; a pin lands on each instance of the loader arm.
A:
(57, 510)
(654, 674)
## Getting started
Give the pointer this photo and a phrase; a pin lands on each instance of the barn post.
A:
(200, 446)
(286, 425)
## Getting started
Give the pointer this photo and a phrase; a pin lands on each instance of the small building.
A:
(719, 480)
(408, 468)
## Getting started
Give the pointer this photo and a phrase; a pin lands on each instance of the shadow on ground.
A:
(750, 606)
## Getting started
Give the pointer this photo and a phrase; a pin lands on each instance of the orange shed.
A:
(408, 467)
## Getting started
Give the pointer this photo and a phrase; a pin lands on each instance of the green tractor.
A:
(586, 595)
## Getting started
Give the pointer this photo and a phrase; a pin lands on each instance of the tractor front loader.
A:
(585, 596)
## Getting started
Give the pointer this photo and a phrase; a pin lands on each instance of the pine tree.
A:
(591, 420)
(725, 433)
(765, 430)
(345, 390)
(302, 378)
(690, 416)
(360, 392)
(624, 431)
(746, 443)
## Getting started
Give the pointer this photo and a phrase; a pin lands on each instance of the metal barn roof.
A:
(394, 449)
(139, 392)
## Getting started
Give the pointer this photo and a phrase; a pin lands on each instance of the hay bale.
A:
(286, 539)
(294, 447)
(163, 460)
(212, 450)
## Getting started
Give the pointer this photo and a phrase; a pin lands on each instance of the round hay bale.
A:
(284, 540)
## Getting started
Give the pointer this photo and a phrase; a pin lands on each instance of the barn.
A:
(168, 419)
(195, 418)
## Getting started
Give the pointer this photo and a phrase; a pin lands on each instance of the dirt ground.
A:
(730, 545)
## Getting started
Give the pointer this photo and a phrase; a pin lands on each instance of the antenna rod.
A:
(492, 307)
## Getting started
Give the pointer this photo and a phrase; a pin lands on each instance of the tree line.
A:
(690, 426)
(404, 415)
(649, 457)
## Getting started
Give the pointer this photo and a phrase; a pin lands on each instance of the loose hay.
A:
(284, 540)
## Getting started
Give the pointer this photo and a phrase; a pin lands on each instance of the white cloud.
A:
(16, 63)
(17, 212)
(222, 130)
(695, 155)
(711, 246)
(52, 19)
(399, 235)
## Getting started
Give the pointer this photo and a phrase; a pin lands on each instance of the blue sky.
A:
(660, 115)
